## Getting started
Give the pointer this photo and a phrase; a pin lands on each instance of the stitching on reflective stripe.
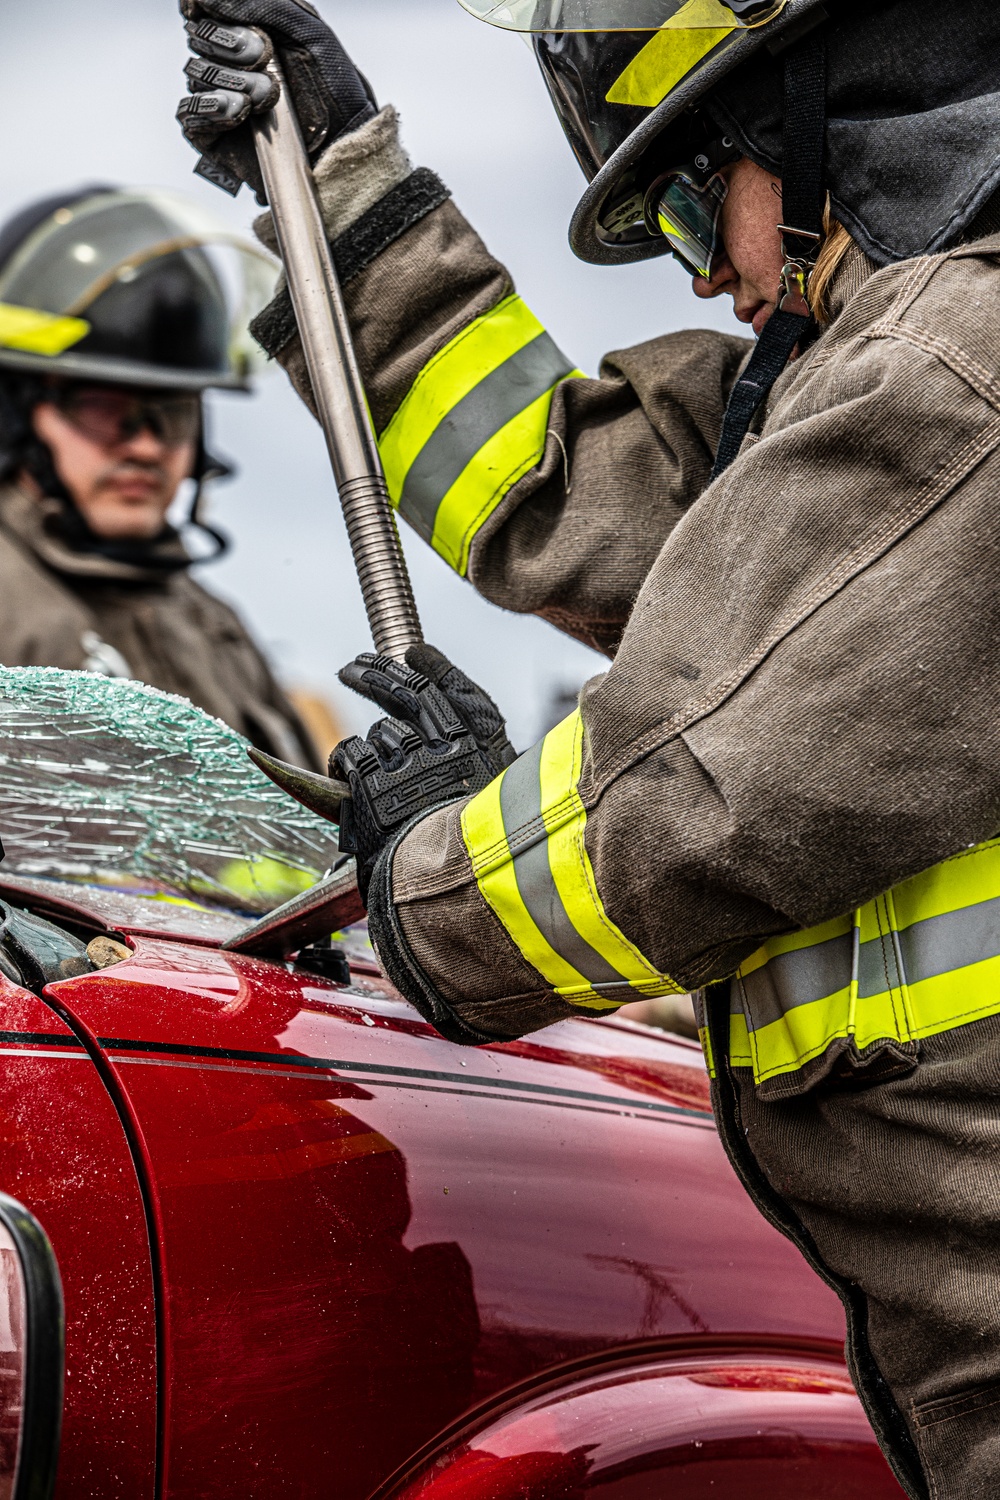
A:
(489, 407)
(493, 500)
(957, 1017)
(855, 984)
(906, 1025)
(525, 835)
(615, 934)
(966, 938)
(507, 326)
(489, 505)
(970, 853)
(470, 407)
(548, 903)
(885, 945)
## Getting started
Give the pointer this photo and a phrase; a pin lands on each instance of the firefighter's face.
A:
(122, 469)
(749, 260)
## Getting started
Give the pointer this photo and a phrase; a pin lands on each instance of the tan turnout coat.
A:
(802, 705)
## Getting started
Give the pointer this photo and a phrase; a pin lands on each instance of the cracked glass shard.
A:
(112, 783)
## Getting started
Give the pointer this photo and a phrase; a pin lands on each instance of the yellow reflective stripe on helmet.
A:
(672, 53)
(920, 959)
(525, 838)
(473, 423)
(31, 331)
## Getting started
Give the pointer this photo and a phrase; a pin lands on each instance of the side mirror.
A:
(32, 1356)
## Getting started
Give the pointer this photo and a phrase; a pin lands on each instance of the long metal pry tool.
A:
(319, 309)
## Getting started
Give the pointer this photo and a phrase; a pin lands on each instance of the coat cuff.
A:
(369, 196)
(399, 961)
(387, 221)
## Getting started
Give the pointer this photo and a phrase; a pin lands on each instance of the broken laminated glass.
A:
(113, 783)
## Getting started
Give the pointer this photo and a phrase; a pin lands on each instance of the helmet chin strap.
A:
(803, 188)
(207, 467)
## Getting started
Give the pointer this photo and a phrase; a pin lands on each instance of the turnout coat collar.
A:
(36, 524)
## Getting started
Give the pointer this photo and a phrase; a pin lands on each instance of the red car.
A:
(307, 1247)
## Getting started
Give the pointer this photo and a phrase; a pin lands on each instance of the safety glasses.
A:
(110, 417)
(687, 213)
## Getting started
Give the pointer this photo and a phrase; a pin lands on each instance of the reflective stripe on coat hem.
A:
(921, 959)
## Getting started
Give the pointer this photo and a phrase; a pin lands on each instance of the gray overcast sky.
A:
(89, 93)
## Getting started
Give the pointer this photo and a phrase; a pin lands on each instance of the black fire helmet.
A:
(130, 288)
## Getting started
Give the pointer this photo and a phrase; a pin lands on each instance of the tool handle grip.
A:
(332, 364)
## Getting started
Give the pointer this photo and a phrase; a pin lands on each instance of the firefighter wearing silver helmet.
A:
(789, 551)
(118, 309)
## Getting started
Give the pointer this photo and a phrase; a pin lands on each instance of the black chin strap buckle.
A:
(797, 269)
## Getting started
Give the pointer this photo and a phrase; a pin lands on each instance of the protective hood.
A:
(914, 115)
(913, 120)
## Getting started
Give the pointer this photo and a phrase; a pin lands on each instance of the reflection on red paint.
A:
(686, 1086)
(773, 1378)
(670, 1430)
(361, 1230)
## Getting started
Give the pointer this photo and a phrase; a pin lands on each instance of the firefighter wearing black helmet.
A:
(117, 311)
(785, 792)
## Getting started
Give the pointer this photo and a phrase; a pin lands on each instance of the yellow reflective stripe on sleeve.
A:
(525, 835)
(672, 53)
(565, 819)
(495, 469)
(496, 876)
(473, 423)
(476, 352)
(31, 331)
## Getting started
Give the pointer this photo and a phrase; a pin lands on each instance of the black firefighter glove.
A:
(445, 740)
(234, 40)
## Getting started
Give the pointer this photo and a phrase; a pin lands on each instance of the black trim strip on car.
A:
(40, 1039)
(509, 1086)
(614, 1107)
(340, 1065)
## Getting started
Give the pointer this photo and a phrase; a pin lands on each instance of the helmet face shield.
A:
(165, 287)
(621, 15)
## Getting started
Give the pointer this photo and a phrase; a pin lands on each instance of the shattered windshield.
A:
(113, 783)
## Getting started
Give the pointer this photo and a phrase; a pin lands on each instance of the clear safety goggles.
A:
(111, 417)
(623, 15)
(687, 213)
